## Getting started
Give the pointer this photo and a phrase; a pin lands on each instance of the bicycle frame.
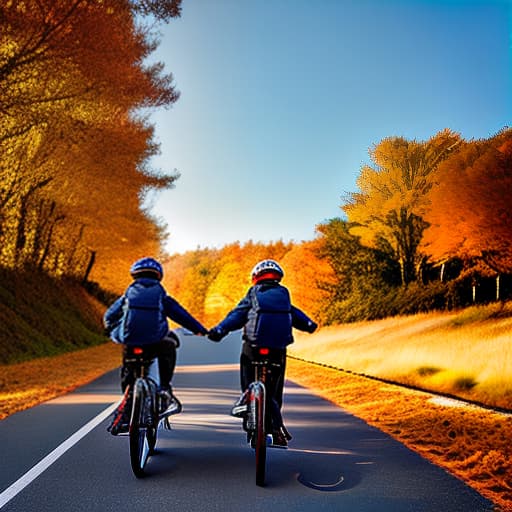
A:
(259, 422)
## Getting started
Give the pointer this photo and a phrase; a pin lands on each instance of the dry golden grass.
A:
(468, 354)
(26, 384)
(471, 443)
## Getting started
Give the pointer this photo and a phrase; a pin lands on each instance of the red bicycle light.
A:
(264, 351)
(138, 351)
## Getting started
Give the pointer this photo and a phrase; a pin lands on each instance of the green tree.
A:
(361, 273)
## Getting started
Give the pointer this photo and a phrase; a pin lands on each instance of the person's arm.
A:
(176, 312)
(234, 320)
(301, 321)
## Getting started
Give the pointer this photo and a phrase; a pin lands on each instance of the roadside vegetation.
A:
(41, 316)
(471, 443)
(465, 353)
(429, 229)
(76, 94)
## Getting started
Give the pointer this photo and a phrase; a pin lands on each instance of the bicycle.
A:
(261, 408)
(148, 409)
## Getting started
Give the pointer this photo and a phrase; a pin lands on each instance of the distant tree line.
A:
(429, 228)
(210, 282)
(75, 136)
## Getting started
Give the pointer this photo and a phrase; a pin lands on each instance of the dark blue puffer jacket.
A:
(267, 316)
(140, 315)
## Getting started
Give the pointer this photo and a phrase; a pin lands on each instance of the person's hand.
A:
(312, 326)
(215, 334)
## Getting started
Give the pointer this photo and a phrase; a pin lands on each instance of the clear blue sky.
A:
(281, 100)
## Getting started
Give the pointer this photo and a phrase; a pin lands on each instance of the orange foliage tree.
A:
(471, 211)
(310, 279)
(234, 275)
(74, 147)
(188, 277)
(210, 282)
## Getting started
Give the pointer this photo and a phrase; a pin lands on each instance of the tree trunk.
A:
(89, 267)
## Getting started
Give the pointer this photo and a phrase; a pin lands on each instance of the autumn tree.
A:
(233, 278)
(74, 144)
(210, 282)
(388, 211)
(310, 279)
(189, 276)
(471, 211)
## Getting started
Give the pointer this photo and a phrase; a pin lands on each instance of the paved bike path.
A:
(335, 462)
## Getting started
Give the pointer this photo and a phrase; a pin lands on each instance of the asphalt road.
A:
(335, 462)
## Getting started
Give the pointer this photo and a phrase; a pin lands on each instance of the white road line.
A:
(45, 463)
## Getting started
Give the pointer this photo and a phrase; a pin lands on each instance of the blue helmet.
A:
(147, 265)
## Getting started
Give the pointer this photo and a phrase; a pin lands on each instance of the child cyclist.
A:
(267, 317)
(139, 317)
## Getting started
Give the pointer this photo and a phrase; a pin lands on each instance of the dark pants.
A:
(274, 382)
(165, 350)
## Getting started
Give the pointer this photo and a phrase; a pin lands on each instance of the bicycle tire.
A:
(260, 435)
(139, 442)
(151, 434)
(152, 430)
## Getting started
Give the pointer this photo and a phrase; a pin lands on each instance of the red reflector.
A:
(138, 351)
(264, 351)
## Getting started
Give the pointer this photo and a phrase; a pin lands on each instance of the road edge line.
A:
(22, 482)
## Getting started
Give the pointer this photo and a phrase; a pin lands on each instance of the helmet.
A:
(266, 269)
(149, 265)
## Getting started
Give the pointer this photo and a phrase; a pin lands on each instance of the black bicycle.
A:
(148, 409)
(261, 408)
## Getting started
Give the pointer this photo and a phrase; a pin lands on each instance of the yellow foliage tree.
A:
(387, 212)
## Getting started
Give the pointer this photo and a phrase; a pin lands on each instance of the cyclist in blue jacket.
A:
(267, 318)
(139, 317)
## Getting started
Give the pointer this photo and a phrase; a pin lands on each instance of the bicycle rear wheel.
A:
(139, 443)
(257, 401)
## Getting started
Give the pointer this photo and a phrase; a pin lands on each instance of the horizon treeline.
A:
(76, 93)
(429, 228)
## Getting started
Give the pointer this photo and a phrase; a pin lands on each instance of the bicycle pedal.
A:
(239, 411)
(172, 409)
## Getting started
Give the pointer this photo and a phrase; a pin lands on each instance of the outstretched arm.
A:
(176, 312)
(301, 321)
(234, 320)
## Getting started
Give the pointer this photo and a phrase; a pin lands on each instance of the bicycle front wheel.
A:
(139, 443)
(257, 402)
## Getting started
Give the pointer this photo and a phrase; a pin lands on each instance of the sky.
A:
(281, 101)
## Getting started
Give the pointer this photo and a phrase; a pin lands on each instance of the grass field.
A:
(466, 353)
